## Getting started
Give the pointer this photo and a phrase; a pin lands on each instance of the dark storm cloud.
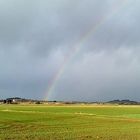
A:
(36, 35)
(102, 76)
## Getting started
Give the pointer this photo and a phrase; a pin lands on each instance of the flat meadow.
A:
(69, 122)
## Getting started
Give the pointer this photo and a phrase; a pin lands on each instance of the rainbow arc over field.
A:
(77, 46)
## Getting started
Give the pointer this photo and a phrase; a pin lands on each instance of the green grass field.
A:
(44, 122)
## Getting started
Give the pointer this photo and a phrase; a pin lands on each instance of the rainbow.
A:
(76, 47)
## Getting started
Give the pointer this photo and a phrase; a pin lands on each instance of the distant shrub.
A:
(38, 102)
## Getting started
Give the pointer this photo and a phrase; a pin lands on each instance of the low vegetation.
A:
(69, 122)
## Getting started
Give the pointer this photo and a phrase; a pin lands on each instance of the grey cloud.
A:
(35, 37)
(101, 76)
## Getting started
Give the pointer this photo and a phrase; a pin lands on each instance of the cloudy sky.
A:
(85, 50)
